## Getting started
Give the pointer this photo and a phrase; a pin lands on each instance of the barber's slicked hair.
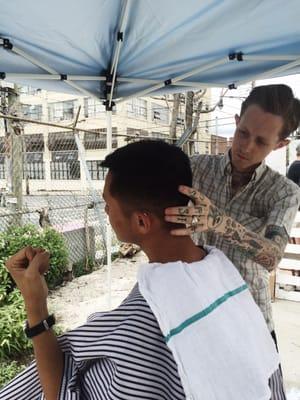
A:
(146, 176)
(278, 100)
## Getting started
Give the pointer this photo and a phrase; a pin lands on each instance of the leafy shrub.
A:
(13, 341)
(83, 268)
(8, 370)
(15, 238)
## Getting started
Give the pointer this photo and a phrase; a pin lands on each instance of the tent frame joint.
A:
(109, 105)
(239, 56)
(2, 75)
(7, 44)
(168, 82)
(232, 86)
(120, 36)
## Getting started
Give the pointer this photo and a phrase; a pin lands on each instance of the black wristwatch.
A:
(43, 326)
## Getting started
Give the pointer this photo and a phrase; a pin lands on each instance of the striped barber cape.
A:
(116, 355)
(120, 354)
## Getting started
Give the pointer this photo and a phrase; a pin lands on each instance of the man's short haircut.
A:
(146, 176)
(278, 100)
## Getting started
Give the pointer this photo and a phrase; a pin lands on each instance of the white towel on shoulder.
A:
(216, 332)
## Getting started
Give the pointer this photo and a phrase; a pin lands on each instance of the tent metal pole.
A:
(94, 193)
(51, 71)
(121, 27)
(275, 57)
(108, 226)
(271, 72)
(180, 83)
(160, 85)
(57, 77)
(120, 38)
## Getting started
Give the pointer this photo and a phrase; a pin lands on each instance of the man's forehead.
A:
(261, 122)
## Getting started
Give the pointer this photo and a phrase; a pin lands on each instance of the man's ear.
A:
(142, 222)
(237, 119)
(282, 143)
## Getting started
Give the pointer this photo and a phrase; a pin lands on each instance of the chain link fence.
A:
(43, 180)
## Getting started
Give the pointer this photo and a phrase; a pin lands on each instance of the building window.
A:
(2, 167)
(33, 157)
(34, 142)
(65, 165)
(62, 110)
(93, 108)
(134, 135)
(180, 119)
(159, 113)
(33, 111)
(29, 90)
(34, 170)
(65, 170)
(3, 144)
(96, 170)
(137, 108)
(97, 140)
(161, 136)
(61, 141)
(66, 156)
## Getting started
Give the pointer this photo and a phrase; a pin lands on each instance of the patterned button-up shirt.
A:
(268, 199)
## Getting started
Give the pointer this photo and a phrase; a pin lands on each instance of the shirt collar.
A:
(226, 167)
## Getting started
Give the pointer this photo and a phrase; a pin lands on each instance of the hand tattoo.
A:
(215, 217)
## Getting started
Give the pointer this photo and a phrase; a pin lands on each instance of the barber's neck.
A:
(164, 248)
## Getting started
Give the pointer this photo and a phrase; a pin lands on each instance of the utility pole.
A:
(175, 112)
(13, 153)
(217, 137)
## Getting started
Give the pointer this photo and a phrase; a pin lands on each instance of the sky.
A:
(232, 103)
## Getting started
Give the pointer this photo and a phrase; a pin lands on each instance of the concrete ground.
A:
(287, 326)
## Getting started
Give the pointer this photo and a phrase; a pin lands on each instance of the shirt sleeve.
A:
(285, 207)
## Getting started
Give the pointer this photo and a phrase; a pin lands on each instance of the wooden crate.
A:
(288, 270)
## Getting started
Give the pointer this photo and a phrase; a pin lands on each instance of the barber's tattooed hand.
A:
(199, 217)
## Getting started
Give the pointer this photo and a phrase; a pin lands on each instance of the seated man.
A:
(188, 329)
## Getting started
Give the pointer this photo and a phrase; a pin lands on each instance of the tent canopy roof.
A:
(162, 45)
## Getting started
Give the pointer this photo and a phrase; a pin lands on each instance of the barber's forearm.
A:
(48, 355)
(264, 251)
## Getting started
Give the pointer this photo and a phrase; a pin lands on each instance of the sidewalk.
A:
(287, 327)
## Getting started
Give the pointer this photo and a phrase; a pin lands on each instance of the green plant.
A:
(8, 370)
(13, 341)
(82, 267)
(17, 237)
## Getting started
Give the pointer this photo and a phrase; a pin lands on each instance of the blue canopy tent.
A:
(121, 48)
(117, 49)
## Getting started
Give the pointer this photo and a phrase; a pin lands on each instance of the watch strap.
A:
(41, 327)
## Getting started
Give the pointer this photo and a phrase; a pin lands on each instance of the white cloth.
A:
(216, 332)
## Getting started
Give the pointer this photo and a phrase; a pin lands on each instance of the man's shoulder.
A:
(282, 183)
(203, 161)
(295, 165)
